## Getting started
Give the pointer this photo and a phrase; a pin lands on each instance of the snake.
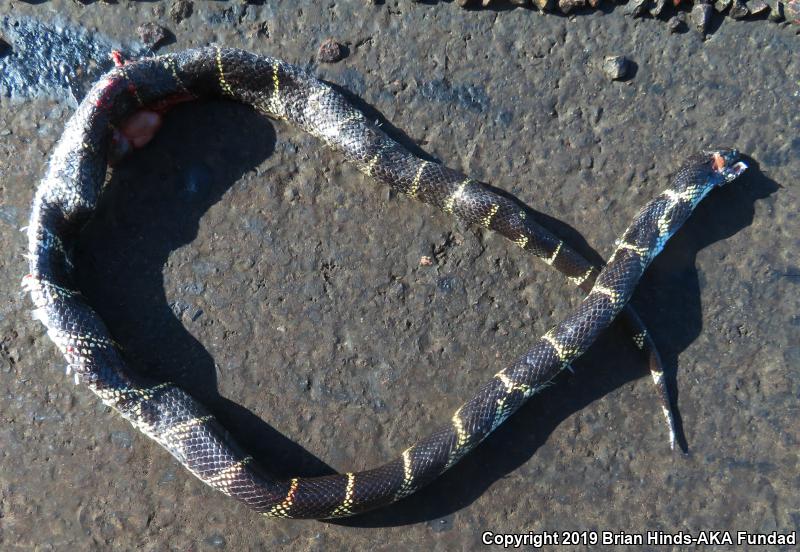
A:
(73, 183)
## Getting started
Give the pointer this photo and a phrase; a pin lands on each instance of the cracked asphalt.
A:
(329, 323)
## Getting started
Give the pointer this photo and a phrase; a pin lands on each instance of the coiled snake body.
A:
(69, 192)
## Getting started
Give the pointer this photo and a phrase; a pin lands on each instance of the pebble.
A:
(180, 10)
(331, 51)
(216, 541)
(738, 10)
(756, 7)
(152, 35)
(656, 10)
(441, 525)
(676, 23)
(616, 67)
(791, 11)
(636, 8)
(776, 11)
(566, 6)
(701, 17)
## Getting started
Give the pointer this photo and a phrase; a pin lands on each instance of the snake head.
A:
(726, 164)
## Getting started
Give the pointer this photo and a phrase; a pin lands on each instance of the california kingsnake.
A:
(69, 192)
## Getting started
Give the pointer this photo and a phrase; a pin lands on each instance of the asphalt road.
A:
(241, 259)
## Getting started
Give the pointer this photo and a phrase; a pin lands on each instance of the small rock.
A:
(616, 67)
(545, 5)
(791, 11)
(722, 5)
(595, 3)
(756, 7)
(152, 35)
(331, 51)
(674, 24)
(656, 10)
(636, 8)
(522, 3)
(260, 30)
(738, 10)
(566, 6)
(180, 10)
(441, 525)
(215, 541)
(464, 3)
(447, 284)
(701, 17)
(776, 11)
(396, 290)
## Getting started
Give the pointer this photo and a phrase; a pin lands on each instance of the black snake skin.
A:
(69, 192)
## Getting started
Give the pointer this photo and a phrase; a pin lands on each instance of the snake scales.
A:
(69, 193)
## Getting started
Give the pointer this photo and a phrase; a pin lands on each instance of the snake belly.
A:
(68, 195)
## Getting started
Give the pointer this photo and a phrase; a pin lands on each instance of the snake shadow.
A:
(146, 213)
(152, 206)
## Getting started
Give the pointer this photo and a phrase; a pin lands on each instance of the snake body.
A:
(68, 195)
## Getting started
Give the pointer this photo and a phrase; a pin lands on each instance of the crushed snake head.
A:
(727, 164)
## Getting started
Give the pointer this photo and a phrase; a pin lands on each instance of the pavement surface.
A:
(243, 260)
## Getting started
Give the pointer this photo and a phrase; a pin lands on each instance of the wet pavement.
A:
(243, 260)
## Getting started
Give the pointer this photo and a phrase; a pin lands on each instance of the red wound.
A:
(718, 162)
(116, 55)
(140, 127)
